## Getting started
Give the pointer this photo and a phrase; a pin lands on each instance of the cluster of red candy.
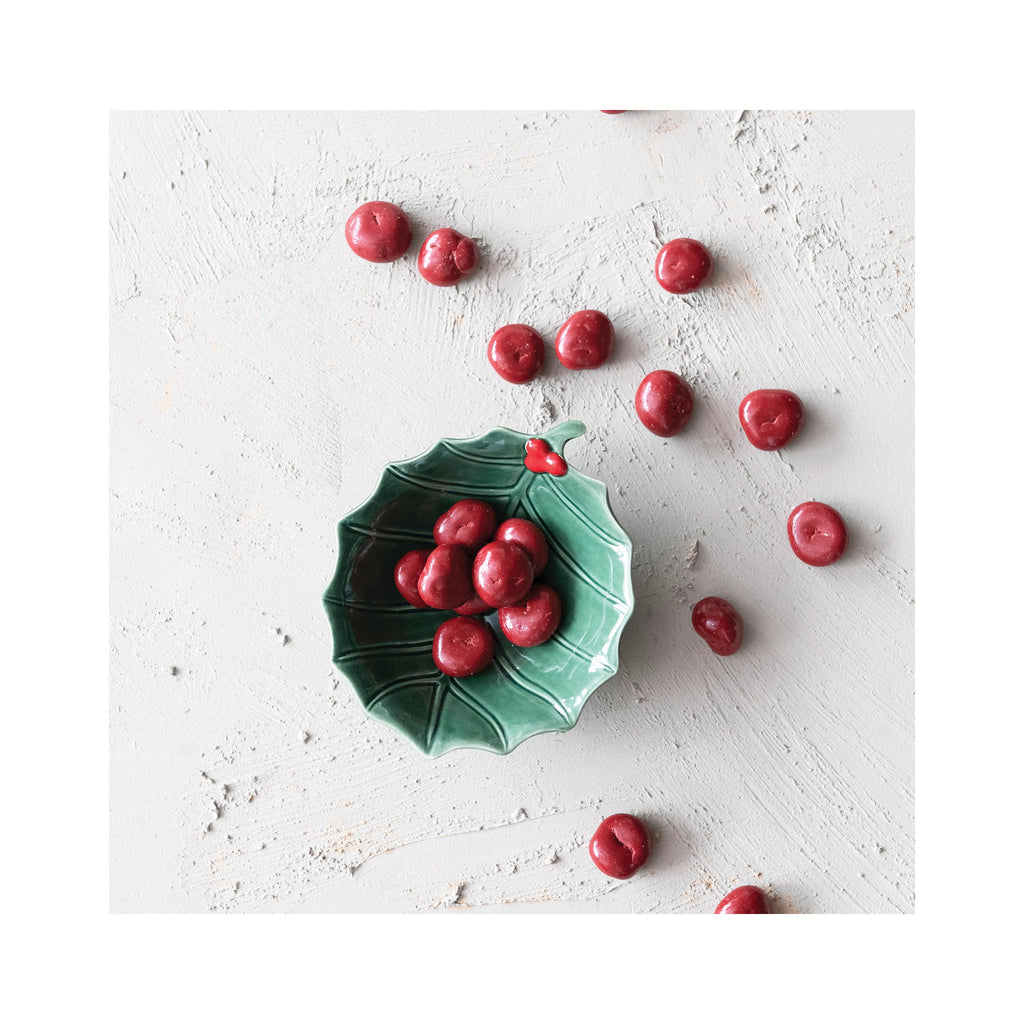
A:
(480, 565)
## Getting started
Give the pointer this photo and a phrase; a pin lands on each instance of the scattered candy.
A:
(664, 402)
(585, 340)
(379, 232)
(620, 845)
(446, 257)
(747, 899)
(817, 533)
(682, 265)
(771, 419)
(719, 624)
(516, 352)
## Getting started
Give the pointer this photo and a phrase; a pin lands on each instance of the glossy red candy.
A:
(817, 533)
(612, 111)
(620, 845)
(476, 605)
(529, 537)
(407, 576)
(770, 418)
(664, 402)
(541, 459)
(446, 257)
(379, 232)
(682, 265)
(446, 580)
(718, 623)
(585, 340)
(534, 619)
(469, 522)
(463, 647)
(502, 573)
(516, 352)
(747, 899)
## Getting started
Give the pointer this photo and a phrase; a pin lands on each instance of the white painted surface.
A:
(262, 375)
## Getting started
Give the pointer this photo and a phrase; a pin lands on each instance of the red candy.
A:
(747, 899)
(817, 533)
(620, 845)
(664, 402)
(407, 574)
(446, 257)
(771, 419)
(541, 459)
(516, 352)
(379, 232)
(476, 605)
(446, 580)
(529, 537)
(682, 265)
(502, 573)
(717, 622)
(534, 619)
(612, 111)
(463, 647)
(469, 522)
(585, 340)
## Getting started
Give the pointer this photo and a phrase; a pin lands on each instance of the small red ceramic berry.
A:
(664, 402)
(719, 624)
(516, 352)
(534, 619)
(620, 845)
(585, 340)
(446, 257)
(817, 533)
(469, 522)
(747, 899)
(379, 232)
(683, 265)
(502, 573)
(463, 647)
(407, 576)
(770, 418)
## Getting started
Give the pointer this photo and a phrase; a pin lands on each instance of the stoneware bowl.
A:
(382, 645)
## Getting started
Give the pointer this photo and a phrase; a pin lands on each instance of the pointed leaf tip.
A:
(560, 434)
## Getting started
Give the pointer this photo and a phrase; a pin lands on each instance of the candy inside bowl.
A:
(382, 644)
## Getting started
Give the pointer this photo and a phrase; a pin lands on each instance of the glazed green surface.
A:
(383, 645)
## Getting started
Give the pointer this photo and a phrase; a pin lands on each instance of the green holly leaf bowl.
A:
(382, 645)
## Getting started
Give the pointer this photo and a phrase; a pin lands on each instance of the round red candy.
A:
(516, 352)
(719, 624)
(817, 533)
(664, 402)
(612, 111)
(469, 522)
(502, 573)
(585, 340)
(529, 537)
(446, 580)
(407, 575)
(771, 418)
(463, 647)
(476, 605)
(379, 232)
(620, 845)
(446, 257)
(534, 619)
(682, 265)
(747, 899)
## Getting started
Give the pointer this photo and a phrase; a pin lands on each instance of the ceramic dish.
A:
(383, 645)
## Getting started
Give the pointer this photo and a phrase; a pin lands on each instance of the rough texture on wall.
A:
(261, 377)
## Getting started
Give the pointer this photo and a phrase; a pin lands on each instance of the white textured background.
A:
(261, 375)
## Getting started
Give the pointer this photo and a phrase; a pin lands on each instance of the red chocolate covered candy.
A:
(463, 647)
(476, 605)
(516, 352)
(379, 232)
(529, 537)
(407, 575)
(664, 402)
(502, 573)
(817, 533)
(534, 619)
(446, 580)
(747, 899)
(585, 340)
(620, 845)
(719, 624)
(682, 265)
(446, 257)
(469, 522)
(770, 418)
